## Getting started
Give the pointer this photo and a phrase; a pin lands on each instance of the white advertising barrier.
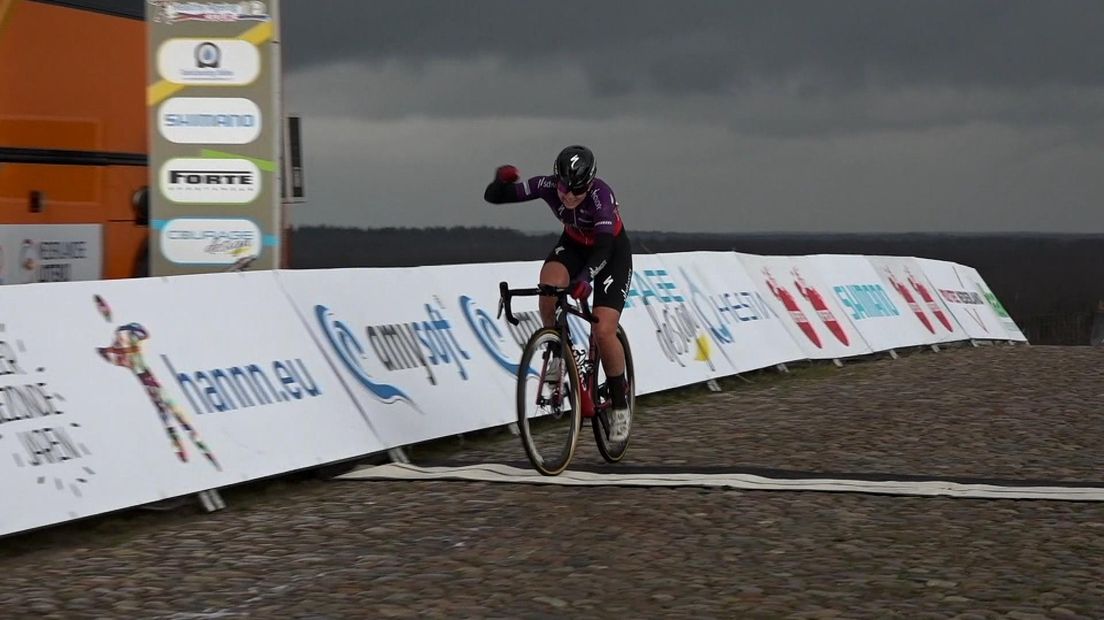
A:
(793, 287)
(962, 298)
(877, 310)
(665, 339)
(904, 275)
(735, 328)
(50, 253)
(404, 351)
(497, 344)
(971, 277)
(123, 392)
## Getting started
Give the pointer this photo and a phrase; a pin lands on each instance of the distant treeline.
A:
(1051, 284)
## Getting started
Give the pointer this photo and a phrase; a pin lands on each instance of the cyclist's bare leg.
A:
(609, 347)
(553, 274)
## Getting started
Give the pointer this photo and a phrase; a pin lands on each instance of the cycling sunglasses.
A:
(564, 189)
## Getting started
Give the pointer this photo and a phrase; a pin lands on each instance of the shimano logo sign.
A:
(188, 180)
(209, 120)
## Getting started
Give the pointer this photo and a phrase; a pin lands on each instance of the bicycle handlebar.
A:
(505, 293)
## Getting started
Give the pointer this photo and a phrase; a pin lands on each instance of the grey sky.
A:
(715, 116)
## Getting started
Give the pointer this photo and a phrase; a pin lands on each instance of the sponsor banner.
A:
(171, 12)
(972, 278)
(230, 62)
(735, 323)
(50, 253)
(963, 299)
(122, 392)
(189, 180)
(209, 120)
(904, 276)
(795, 289)
(474, 291)
(877, 310)
(204, 241)
(665, 335)
(215, 138)
(404, 350)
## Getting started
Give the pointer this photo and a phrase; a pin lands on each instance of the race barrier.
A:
(120, 393)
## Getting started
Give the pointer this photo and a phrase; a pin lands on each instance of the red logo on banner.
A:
(821, 308)
(910, 300)
(794, 311)
(928, 299)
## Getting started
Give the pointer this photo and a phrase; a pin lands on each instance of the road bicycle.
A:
(551, 406)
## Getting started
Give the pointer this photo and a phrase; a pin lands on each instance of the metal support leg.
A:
(893, 354)
(781, 368)
(838, 362)
(514, 430)
(398, 456)
(713, 386)
(211, 500)
(935, 348)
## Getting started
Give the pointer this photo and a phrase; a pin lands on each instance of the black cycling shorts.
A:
(611, 284)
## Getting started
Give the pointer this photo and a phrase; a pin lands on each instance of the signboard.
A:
(964, 299)
(906, 278)
(406, 352)
(973, 279)
(215, 135)
(121, 392)
(50, 253)
(795, 289)
(884, 316)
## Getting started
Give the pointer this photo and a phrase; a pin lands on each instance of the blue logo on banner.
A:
(488, 334)
(351, 352)
(866, 301)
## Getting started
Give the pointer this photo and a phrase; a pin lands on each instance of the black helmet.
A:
(576, 168)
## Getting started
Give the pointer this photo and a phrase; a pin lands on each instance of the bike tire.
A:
(548, 434)
(610, 451)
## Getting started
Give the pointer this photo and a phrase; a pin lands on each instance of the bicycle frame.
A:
(587, 367)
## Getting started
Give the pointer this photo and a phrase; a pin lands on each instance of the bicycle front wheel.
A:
(549, 415)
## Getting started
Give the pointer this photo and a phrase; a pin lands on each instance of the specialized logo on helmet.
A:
(574, 160)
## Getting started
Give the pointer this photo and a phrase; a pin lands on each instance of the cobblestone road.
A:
(332, 549)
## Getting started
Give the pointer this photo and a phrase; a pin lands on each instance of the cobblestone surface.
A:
(334, 549)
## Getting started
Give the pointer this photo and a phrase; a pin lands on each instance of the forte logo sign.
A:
(188, 180)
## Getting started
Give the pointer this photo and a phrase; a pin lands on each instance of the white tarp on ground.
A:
(495, 472)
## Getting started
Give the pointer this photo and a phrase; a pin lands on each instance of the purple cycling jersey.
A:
(598, 213)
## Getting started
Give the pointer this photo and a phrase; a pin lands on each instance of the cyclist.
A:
(593, 248)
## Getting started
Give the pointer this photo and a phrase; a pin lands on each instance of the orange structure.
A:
(73, 120)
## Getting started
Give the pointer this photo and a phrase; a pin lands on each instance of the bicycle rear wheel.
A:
(549, 415)
(612, 451)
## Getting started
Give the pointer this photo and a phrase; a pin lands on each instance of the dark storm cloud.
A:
(688, 47)
(767, 116)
